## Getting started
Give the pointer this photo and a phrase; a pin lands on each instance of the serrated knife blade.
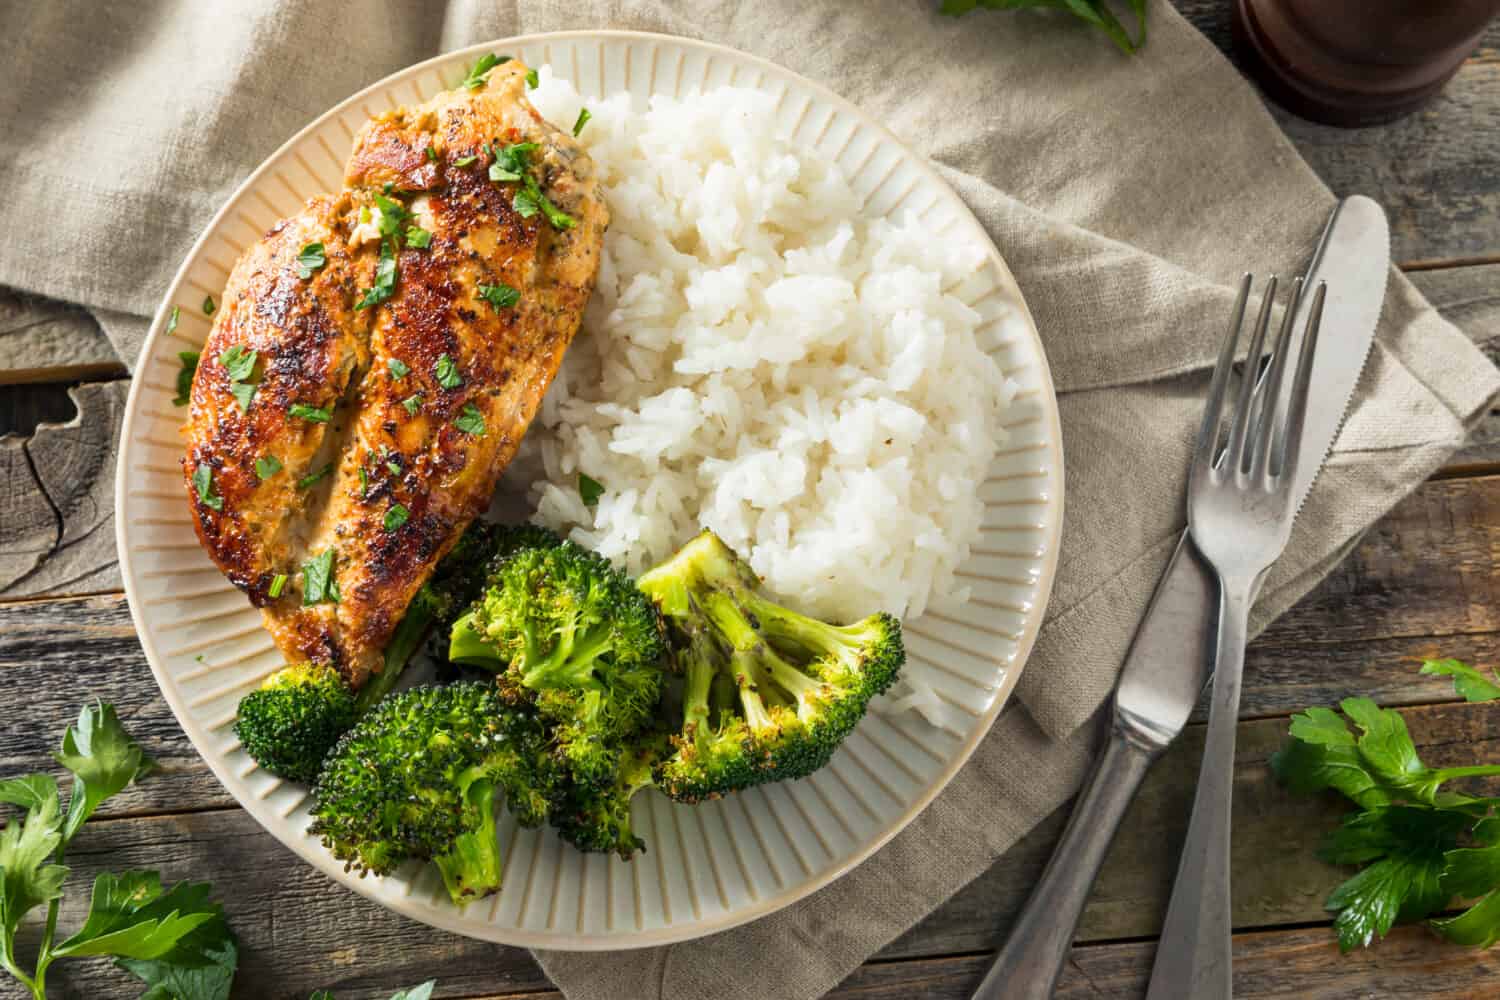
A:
(1170, 659)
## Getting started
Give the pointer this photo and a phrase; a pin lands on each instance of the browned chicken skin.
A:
(429, 391)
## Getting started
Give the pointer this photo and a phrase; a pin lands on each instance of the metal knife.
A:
(1171, 657)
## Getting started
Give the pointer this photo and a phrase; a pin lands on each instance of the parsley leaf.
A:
(309, 259)
(431, 153)
(30, 791)
(203, 482)
(418, 237)
(103, 759)
(422, 992)
(412, 403)
(208, 305)
(589, 489)
(501, 296)
(385, 277)
(392, 214)
(243, 393)
(396, 517)
(131, 917)
(475, 78)
(1477, 927)
(1093, 12)
(189, 360)
(1470, 684)
(172, 320)
(278, 584)
(447, 373)
(318, 581)
(532, 80)
(200, 967)
(313, 477)
(266, 467)
(470, 420)
(525, 203)
(464, 161)
(309, 413)
(583, 119)
(238, 363)
(398, 368)
(27, 880)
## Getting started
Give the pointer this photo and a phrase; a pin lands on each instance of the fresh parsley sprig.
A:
(1094, 12)
(1421, 844)
(174, 940)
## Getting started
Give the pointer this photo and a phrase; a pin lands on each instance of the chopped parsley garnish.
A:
(318, 582)
(278, 584)
(385, 276)
(431, 153)
(589, 489)
(388, 187)
(172, 320)
(525, 203)
(418, 237)
(364, 480)
(555, 215)
(203, 482)
(309, 259)
(238, 362)
(447, 373)
(208, 305)
(313, 477)
(239, 365)
(399, 368)
(532, 80)
(396, 517)
(185, 374)
(510, 161)
(464, 161)
(412, 404)
(394, 466)
(309, 413)
(583, 119)
(266, 467)
(470, 420)
(392, 214)
(501, 296)
(486, 62)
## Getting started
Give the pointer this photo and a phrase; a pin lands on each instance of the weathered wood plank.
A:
(66, 471)
(1277, 876)
(1432, 170)
(1470, 297)
(1304, 963)
(43, 340)
(298, 931)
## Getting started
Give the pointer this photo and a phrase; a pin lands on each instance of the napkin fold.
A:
(1127, 195)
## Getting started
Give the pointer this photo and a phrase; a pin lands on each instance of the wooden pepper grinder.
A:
(1357, 62)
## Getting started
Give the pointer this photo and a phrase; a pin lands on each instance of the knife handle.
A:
(1028, 966)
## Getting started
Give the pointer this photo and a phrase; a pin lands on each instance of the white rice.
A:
(760, 360)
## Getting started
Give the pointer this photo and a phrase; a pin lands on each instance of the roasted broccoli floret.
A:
(417, 777)
(768, 693)
(573, 636)
(289, 723)
(596, 817)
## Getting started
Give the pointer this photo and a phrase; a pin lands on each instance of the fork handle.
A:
(1193, 958)
(1028, 966)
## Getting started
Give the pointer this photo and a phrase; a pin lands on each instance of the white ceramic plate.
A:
(710, 866)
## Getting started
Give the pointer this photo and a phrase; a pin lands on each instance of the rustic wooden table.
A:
(1424, 582)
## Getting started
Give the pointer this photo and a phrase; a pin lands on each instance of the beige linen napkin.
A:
(1127, 194)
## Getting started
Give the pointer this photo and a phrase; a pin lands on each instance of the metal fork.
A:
(1240, 512)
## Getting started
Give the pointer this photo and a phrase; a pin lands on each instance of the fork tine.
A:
(1265, 430)
(1297, 408)
(1239, 431)
(1208, 432)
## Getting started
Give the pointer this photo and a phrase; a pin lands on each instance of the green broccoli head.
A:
(768, 693)
(575, 637)
(294, 718)
(417, 777)
(596, 816)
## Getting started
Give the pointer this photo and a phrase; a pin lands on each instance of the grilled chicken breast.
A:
(428, 379)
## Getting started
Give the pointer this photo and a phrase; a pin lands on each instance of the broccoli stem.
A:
(468, 645)
(800, 687)
(571, 662)
(472, 868)
(814, 637)
(742, 668)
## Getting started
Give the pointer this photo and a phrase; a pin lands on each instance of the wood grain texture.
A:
(64, 473)
(46, 341)
(1433, 170)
